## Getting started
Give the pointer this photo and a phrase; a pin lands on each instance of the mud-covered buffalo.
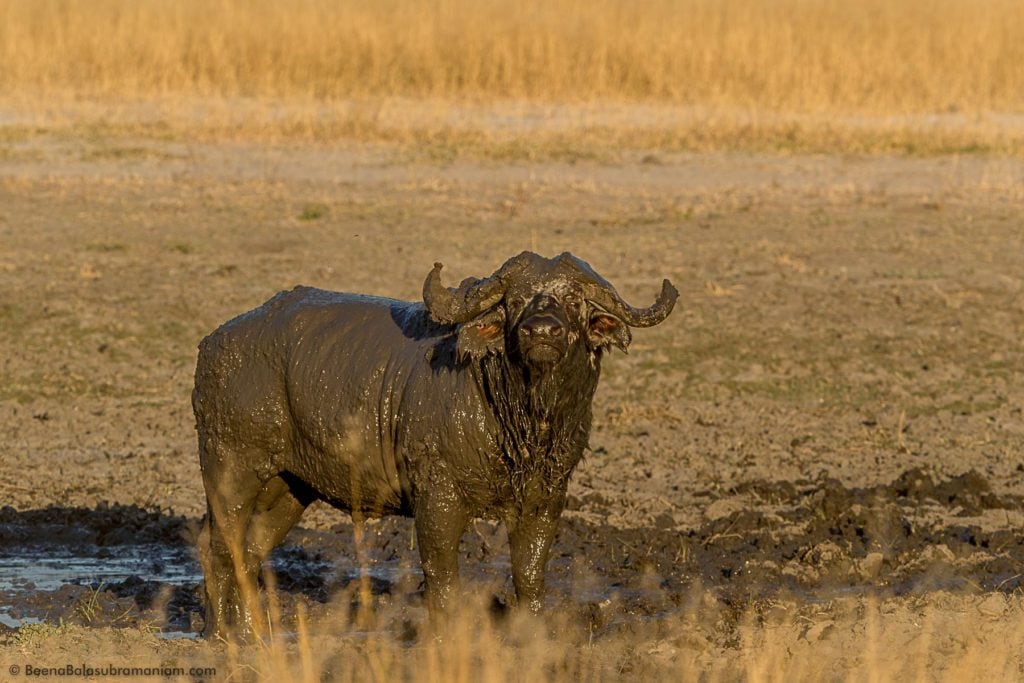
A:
(474, 403)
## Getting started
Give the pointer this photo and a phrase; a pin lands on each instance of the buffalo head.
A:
(539, 310)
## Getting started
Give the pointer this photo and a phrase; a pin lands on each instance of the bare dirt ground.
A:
(813, 468)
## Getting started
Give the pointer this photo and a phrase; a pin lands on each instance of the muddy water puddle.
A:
(40, 582)
(47, 569)
(124, 584)
(129, 567)
(57, 566)
(106, 566)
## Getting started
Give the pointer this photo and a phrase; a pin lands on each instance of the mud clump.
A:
(822, 537)
(968, 491)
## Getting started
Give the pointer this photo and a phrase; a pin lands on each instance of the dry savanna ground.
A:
(811, 470)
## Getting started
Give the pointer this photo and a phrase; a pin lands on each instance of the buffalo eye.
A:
(483, 336)
(516, 303)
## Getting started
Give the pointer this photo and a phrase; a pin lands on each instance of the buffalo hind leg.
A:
(237, 542)
(280, 504)
(230, 500)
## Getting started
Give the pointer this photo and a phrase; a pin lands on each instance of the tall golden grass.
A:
(941, 637)
(871, 56)
(933, 637)
(910, 75)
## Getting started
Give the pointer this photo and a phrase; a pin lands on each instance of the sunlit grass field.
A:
(853, 640)
(873, 75)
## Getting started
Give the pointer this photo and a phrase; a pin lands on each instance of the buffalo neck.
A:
(543, 416)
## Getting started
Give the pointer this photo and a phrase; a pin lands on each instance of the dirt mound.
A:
(914, 534)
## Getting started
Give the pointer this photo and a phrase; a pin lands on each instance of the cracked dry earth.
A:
(814, 466)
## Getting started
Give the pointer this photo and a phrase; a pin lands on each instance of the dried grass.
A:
(941, 637)
(915, 75)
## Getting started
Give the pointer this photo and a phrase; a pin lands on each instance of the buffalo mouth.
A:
(544, 353)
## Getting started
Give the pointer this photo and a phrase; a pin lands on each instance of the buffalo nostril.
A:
(543, 326)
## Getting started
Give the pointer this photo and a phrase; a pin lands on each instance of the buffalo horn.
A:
(601, 292)
(609, 300)
(472, 297)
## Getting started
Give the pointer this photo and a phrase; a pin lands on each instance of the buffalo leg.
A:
(530, 537)
(221, 551)
(278, 507)
(219, 580)
(244, 522)
(440, 520)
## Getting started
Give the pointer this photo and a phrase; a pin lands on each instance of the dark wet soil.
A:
(126, 566)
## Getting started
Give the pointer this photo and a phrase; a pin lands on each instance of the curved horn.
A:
(459, 305)
(601, 292)
(473, 296)
(607, 298)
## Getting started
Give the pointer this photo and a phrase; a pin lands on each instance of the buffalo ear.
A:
(604, 330)
(483, 335)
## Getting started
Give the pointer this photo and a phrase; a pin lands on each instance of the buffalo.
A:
(474, 403)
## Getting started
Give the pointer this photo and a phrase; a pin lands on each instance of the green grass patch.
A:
(106, 247)
(181, 248)
(313, 212)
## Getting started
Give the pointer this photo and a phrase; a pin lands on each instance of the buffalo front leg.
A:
(530, 537)
(441, 518)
